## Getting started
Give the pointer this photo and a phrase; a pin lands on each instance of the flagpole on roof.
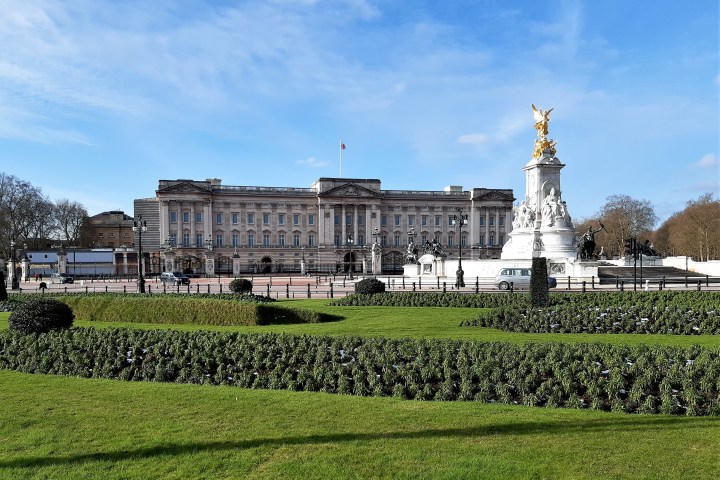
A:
(342, 147)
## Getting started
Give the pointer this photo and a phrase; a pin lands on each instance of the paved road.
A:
(339, 286)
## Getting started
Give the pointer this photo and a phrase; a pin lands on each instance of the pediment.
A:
(184, 187)
(494, 197)
(349, 190)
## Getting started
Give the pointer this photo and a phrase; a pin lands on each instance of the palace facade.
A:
(206, 227)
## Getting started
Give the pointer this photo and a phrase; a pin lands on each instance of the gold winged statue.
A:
(542, 118)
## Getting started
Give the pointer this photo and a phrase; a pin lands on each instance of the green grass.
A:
(59, 427)
(416, 322)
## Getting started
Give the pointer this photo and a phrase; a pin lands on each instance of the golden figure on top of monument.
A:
(542, 119)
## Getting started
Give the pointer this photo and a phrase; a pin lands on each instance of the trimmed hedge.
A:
(369, 286)
(183, 310)
(41, 315)
(431, 299)
(630, 379)
(240, 285)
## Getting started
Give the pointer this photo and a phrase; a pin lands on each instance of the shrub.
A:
(539, 293)
(41, 316)
(369, 286)
(241, 285)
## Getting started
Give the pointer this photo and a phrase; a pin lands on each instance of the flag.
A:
(342, 146)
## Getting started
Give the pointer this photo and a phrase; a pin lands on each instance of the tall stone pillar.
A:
(376, 259)
(62, 261)
(25, 268)
(236, 265)
(209, 263)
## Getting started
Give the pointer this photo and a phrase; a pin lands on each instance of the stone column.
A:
(125, 264)
(236, 265)
(343, 235)
(25, 268)
(209, 263)
(192, 223)
(62, 262)
(355, 224)
(487, 225)
(368, 224)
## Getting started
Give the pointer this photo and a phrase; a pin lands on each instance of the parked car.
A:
(174, 278)
(519, 277)
(61, 278)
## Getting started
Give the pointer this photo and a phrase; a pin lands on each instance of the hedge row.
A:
(638, 379)
(689, 299)
(247, 298)
(431, 299)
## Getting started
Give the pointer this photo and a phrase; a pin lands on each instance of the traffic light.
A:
(630, 246)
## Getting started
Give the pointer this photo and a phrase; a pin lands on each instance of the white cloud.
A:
(473, 138)
(708, 161)
(313, 162)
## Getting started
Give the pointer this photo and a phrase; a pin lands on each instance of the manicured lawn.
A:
(59, 427)
(417, 322)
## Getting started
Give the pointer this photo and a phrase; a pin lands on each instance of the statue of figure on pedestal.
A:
(523, 216)
(587, 244)
(411, 254)
(554, 211)
(542, 119)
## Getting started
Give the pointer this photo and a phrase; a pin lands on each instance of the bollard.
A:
(622, 285)
(105, 288)
(188, 288)
(698, 286)
(512, 287)
(477, 285)
(164, 290)
(124, 289)
(583, 286)
(268, 289)
(198, 288)
(419, 283)
(444, 287)
(308, 290)
(568, 282)
(86, 289)
(343, 282)
(592, 279)
(221, 288)
(287, 290)
(707, 280)
(438, 283)
(403, 279)
(686, 281)
(617, 280)
(331, 290)
(290, 278)
(413, 286)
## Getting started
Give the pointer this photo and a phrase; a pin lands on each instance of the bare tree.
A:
(23, 211)
(69, 218)
(695, 231)
(625, 217)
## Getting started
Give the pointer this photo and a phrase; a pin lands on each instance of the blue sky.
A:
(101, 99)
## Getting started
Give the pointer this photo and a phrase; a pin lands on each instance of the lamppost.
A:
(460, 220)
(350, 257)
(14, 284)
(140, 226)
(411, 235)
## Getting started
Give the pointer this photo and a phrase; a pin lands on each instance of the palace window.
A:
(438, 220)
(451, 240)
(397, 240)
(281, 239)
(235, 239)
(198, 240)
(281, 219)
(383, 220)
(296, 219)
(337, 219)
(411, 220)
(348, 219)
(235, 216)
(186, 217)
(218, 218)
(311, 239)
(266, 219)
(173, 217)
(397, 220)
(492, 239)
(296, 239)
(463, 240)
(361, 239)
(251, 240)
(383, 240)
(173, 239)
(491, 221)
(337, 239)
(186, 239)
(219, 240)
(198, 217)
(501, 221)
(311, 219)
(423, 220)
(251, 218)
(266, 239)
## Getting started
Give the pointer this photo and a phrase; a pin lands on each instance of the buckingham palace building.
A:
(205, 227)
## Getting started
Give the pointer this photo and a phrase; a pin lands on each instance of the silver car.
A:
(518, 277)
